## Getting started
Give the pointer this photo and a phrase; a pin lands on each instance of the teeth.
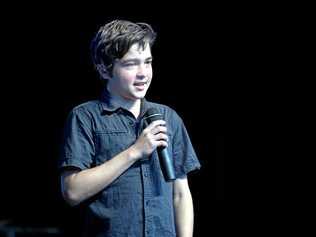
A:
(140, 84)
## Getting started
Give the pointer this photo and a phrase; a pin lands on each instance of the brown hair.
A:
(114, 39)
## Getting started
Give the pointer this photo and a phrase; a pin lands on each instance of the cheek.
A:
(150, 73)
(126, 76)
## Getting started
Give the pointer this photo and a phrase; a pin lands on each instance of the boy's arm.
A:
(78, 186)
(183, 206)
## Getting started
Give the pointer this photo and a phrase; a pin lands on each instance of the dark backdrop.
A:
(47, 71)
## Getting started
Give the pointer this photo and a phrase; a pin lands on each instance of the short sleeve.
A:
(184, 156)
(77, 148)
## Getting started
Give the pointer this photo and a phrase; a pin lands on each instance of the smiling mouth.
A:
(140, 86)
(140, 83)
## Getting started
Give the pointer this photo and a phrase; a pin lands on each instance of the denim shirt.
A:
(139, 202)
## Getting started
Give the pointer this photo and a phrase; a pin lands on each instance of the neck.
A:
(131, 105)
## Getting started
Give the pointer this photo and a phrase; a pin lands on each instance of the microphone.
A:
(165, 160)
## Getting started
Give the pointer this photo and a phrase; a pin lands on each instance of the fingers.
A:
(155, 124)
(159, 129)
(153, 136)
(156, 127)
(162, 143)
(159, 143)
(156, 133)
(161, 137)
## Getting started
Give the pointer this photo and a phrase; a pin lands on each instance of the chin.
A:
(139, 95)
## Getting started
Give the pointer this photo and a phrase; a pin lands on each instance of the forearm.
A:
(184, 216)
(80, 186)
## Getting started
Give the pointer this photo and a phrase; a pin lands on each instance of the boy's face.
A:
(132, 73)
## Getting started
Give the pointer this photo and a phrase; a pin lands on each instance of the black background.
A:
(46, 70)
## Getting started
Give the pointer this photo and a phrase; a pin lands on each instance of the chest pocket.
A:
(109, 143)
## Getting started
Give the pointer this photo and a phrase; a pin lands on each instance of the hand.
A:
(153, 136)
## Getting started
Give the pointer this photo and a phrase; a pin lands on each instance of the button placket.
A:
(147, 196)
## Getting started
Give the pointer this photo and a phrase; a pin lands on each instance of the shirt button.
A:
(146, 175)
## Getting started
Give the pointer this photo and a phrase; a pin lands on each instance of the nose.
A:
(141, 72)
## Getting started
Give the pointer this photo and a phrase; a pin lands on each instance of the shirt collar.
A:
(108, 106)
(106, 101)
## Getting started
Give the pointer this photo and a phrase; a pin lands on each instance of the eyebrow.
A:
(135, 60)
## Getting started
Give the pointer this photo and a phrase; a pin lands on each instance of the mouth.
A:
(140, 85)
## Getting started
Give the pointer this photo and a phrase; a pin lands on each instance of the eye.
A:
(129, 64)
(149, 62)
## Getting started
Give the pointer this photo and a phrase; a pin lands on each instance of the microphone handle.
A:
(166, 163)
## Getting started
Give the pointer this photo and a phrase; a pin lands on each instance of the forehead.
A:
(137, 51)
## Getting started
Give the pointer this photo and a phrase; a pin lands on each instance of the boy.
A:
(109, 161)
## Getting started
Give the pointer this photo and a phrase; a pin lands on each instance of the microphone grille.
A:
(152, 114)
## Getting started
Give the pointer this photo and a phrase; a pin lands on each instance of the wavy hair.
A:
(114, 39)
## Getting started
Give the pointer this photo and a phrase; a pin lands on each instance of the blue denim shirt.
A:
(139, 202)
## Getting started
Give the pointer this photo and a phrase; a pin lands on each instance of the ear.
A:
(103, 71)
